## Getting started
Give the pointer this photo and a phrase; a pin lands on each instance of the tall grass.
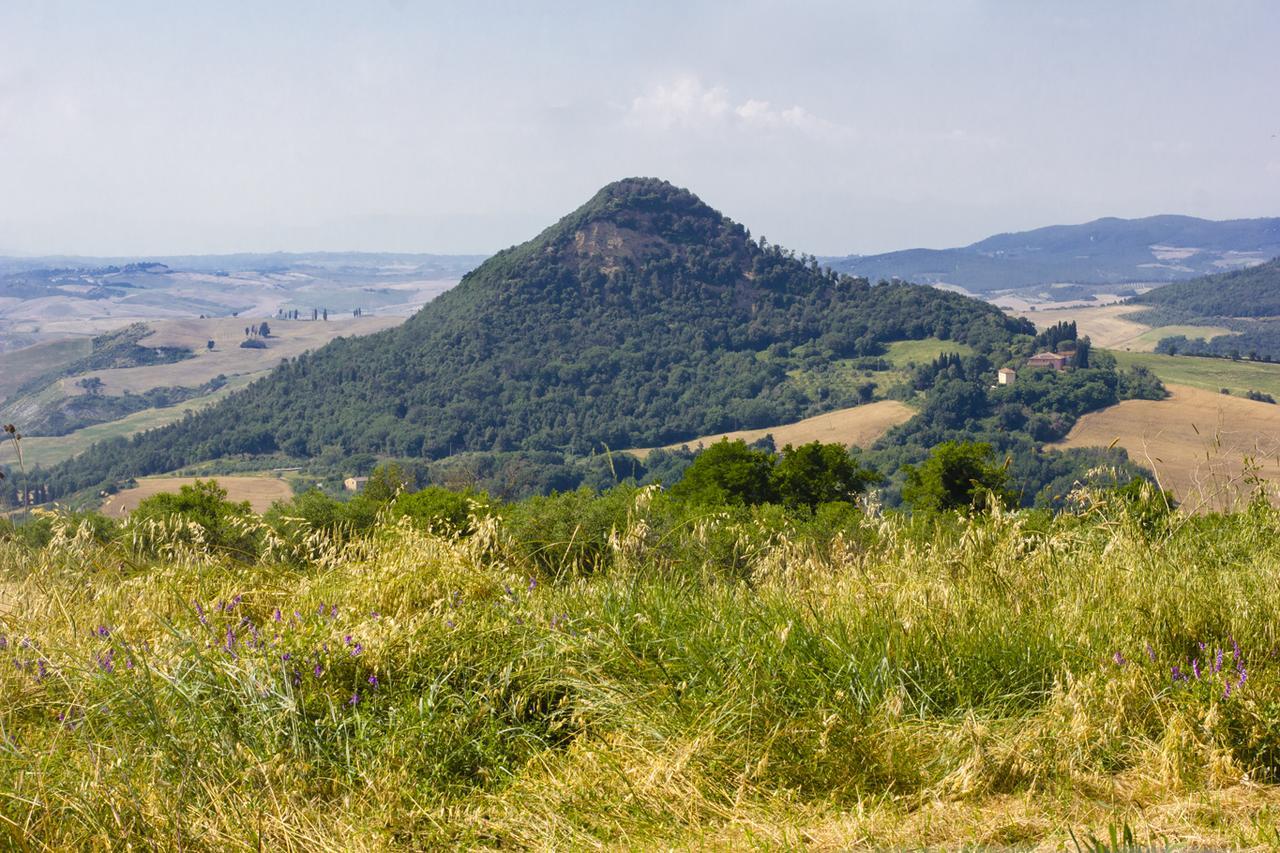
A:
(717, 680)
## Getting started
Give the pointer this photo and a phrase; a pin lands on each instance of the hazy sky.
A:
(830, 127)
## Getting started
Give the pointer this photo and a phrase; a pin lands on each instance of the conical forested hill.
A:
(642, 318)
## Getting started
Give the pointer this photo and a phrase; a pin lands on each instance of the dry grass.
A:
(1109, 326)
(896, 683)
(1200, 444)
(260, 492)
(857, 426)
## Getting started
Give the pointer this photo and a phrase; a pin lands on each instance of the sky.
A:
(136, 128)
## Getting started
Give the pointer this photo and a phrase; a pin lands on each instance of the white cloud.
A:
(682, 103)
(687, 103)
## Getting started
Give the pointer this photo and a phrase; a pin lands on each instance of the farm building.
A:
(1005, 376)
(354, 484)
(1049, 359)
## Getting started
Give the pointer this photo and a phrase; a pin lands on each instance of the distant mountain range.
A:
(1103, 252)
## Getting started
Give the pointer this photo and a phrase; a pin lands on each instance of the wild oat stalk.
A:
(16, 438)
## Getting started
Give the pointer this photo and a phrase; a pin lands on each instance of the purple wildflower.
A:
(533, 583)
(285, 656)
(1177, 673)
(357, 649)
(103, 631)
(1195, 667)
(448, 622)
(1151, 653)
(297, 679)
(1217, 661)
(333, 612)
(320, 611)
(231, 639)
(128, 663)
(354, 700)
(1243, 675)
(200, 613)
(4, 642)
(373, 681)
(1119, 659)
(1235, 650)
(1226, 691)
(275, 615)
(41, 670)
(318, 670)
(375, 614)
(346, 640)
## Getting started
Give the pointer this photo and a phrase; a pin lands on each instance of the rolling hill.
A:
(1103, 252)
(641, 319)
(1229, 315)
(1251, 293)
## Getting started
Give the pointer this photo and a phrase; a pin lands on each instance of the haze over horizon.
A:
(147, 129)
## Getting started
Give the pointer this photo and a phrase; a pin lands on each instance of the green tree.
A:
(957, 475)
(385, 483)
(728, 472)
(205, 504)
(817, 473)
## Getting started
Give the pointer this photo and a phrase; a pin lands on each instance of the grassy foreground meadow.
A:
(607, 672)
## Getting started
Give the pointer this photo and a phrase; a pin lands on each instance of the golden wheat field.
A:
(857, 426)
(1200, 444)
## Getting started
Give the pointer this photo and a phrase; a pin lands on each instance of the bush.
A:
(221, 524)
(563, 532)
(441, 510)
(957, 476)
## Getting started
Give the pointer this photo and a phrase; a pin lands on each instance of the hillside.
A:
(1203, 446)
(642, 319)
(1252, 292)
(1104, 252)
(1245, 304)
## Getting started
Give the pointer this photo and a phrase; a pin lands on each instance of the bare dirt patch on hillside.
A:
(1196, 441)
(860, 426)
(260, 492)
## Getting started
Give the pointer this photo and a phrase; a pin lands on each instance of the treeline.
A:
(811, 482)
(1257, 341)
